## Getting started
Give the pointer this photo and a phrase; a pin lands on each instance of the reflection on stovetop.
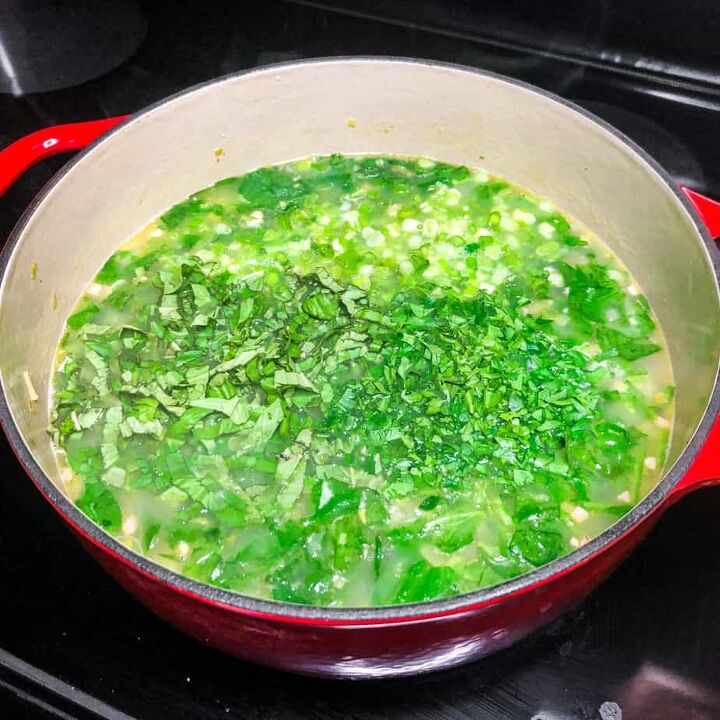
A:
(645, 645)
(45, 46)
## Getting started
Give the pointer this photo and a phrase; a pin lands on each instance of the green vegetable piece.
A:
(297, 379)
(430, 503)
(423, 581)
(321, 305)
(81, 317)
(235, 408)
(537, 545)
(101, 507)
(290, 472)
(115, 268)
(628, 348)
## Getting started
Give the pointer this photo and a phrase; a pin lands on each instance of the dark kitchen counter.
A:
(645, 646)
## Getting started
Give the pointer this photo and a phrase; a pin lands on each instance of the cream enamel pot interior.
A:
(455, 114)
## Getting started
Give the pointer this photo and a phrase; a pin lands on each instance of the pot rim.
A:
(319, 615)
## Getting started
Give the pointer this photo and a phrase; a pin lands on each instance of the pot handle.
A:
(708, 209)
(705, 469)
(22, 154)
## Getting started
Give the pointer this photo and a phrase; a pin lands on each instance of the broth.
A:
(357, 381)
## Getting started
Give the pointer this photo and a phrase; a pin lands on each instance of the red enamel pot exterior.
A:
(377, 649)
(371, 642)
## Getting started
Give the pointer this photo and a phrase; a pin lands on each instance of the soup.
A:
(360, 381)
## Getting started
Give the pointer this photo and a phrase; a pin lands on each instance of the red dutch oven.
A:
(132, 169)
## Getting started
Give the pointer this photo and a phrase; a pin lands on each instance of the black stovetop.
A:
(646, 645)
